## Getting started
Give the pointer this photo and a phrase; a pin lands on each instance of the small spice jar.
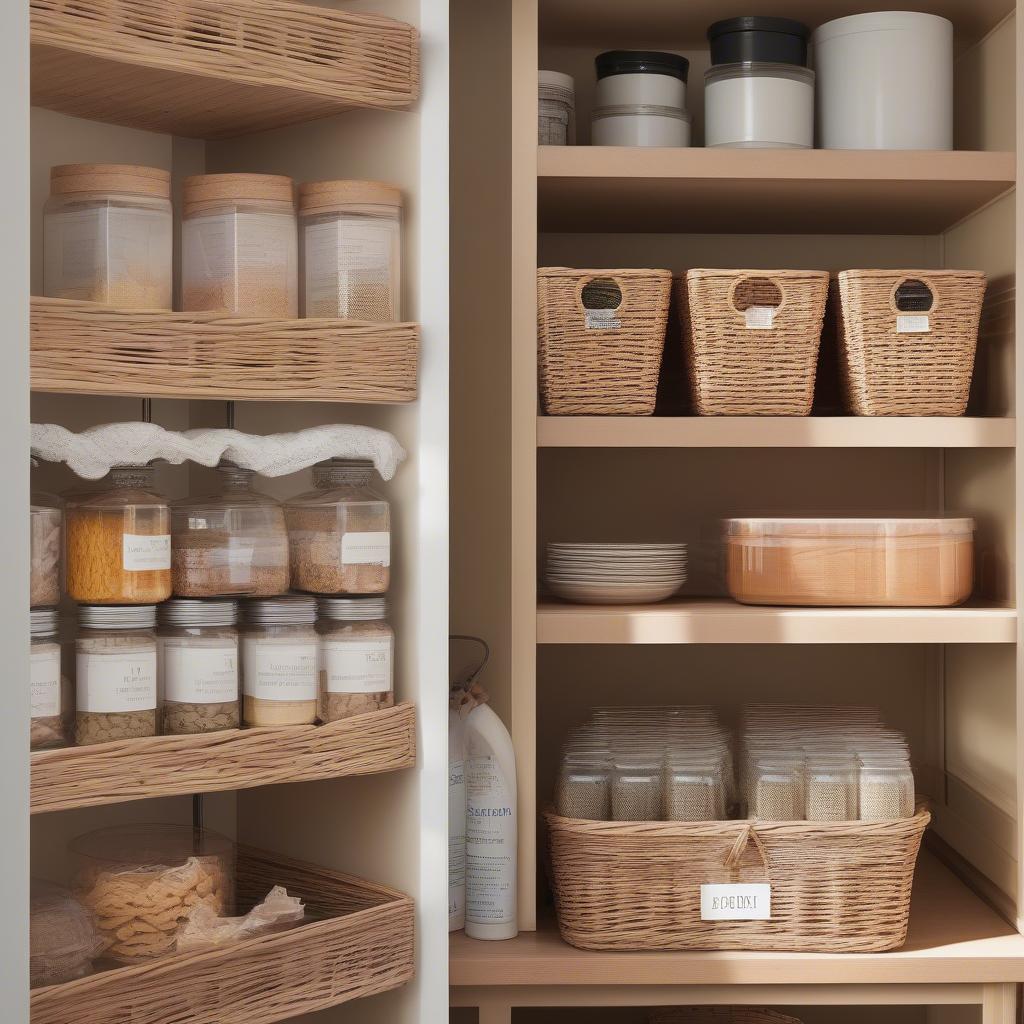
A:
(240, 245)
(339, 534)
(351, 249)
(50, 689)
(636, 787)
(119, 541)
(584, 788)
(694, 790)
(280, 661)
(831, 790)
(115, 673)
(778, 790)
(107, 232)
(357, 651)
(197, 645)
(886, 791)
(47, 520)
(231, 542)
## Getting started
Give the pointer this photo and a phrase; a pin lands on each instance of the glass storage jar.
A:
(107, 232)
(831, 789)
(886, 789)
(584, 788)
(50, 687)
(280, 661)
(636, 787)
(351, 249)
(197, 644)
(119, 541)
(339, 534)
(230, 542)
(357, 651)
(47, 520)
(115, 673)
(239, 245)
(694, 790)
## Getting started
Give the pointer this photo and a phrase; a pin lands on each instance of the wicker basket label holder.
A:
(837, 887)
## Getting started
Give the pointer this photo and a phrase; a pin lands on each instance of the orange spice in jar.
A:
(119, 541)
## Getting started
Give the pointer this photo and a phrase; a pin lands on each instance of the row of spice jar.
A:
(294, 660)
(125, 544)
(108, 228)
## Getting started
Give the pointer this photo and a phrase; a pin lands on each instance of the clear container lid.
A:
(43, 622)
(116, 616)
(318, 197)
(827, 526)
(352, 609)
(289, 610)
(124, 485)
(758, 69)
(190, 612)
(641, 110)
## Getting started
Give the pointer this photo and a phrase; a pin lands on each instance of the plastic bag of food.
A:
(63, 937)
(205, 929)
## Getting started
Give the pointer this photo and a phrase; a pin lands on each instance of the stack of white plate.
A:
(615, 573)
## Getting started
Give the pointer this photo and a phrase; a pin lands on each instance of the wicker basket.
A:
(838, 887)
(600, 348)
(898, 357)
(743, 359)
(358, 941)
(719, 1015)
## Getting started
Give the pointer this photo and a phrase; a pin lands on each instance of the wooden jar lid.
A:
(130, 179)
(204, 191)
(337, 196)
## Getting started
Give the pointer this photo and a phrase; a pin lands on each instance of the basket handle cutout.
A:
(913, 296)
(600, 298)
(747, 836)
(758, 299)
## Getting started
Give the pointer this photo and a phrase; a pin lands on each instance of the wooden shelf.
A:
(954, 937)
(775, 432)
(238, 68)
(707, 621)
(110, 773)
(610, 189)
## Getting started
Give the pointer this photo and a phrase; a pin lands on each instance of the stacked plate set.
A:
(615, 573)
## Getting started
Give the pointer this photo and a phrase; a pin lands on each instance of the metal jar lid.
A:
(289, 610)
(43, 622)
(352, 609)
(192, 612)
(117, 616)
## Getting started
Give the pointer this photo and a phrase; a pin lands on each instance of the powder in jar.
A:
(356, 657)
(775, 799)
(886, 792)
(45, 554)
(212, 564)
(582, 795)
(828, 799)
(636, 796)
(689, 799)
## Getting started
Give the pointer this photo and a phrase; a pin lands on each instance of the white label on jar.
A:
(279, 671)
(371, 548)
(240, 554)
(760, 318)
(44, 673)
(146, 552)
(736, 902)
(912, 323)
(601, 320)
(200, 675)
(358, 666)
(112, 683)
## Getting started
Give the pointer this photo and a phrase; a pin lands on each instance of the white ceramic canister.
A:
(885, 81)
(629, 77)
(639, 125)
(556, 109)
(756, 105)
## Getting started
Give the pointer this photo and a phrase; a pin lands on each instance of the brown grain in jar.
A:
(50, 687)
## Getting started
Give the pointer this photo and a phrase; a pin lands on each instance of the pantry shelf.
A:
(109, 773)
(707, 621)
(610, 189)
(775, 432)
(221, 70)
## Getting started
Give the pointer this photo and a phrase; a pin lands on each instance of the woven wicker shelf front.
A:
(216, 68)
(86, 349)
(358, 942)
(109, 773)
(719, 1015)
(841, 887)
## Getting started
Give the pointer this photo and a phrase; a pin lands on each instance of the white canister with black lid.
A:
(647, 77)
(757, 105)
(640, 125)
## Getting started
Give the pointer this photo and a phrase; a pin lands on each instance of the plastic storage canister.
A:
(665, 127)
(45, 541)
(357, 654)
(239, 244)
(759, 106)
(115, 673)
(107, 235)
(119, 541)
(280, 661)
(885, 81)
(641, 77)
(198, 667)
(351, 250)
(778, 40)
(556, 109)
(881, 562)
(49, 687)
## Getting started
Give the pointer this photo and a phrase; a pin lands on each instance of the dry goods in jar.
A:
(45, 540)
(63, 937)
(357, 653)
(49, 686)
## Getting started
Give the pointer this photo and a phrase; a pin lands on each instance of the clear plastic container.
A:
(143, 881)
(882, 562)
(232, 542)
(63, 937)
(556, 109)
(239, 245)
(51, 689)
(886, 790)
(107, 235)
(777, 790)
(831, 788)
(694, 790)
(636, 787)
(47, 524)
(357, 655)
(339, 534)
(584, 787)
(198, 667)
(115, 673)
(119, 541)
(352, 250)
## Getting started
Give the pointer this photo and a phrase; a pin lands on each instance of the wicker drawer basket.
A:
(601, 334)
(358, 941)
(743, 360)
(839, 887)
(903, 351)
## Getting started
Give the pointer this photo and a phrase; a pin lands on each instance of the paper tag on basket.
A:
(601, 320)
(760, 318)
(738, 902)
(912, 323)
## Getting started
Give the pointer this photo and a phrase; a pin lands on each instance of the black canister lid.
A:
(640, 62)
(774, 40)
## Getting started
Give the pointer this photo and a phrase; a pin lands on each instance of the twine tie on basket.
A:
(748, 835)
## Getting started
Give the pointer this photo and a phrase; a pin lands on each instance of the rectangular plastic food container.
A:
(824, 561)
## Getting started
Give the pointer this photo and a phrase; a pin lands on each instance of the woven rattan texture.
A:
(835, 887)
(735, 370)
(358, 942)
(597, 370)
(885, 373)
(84, 348)
(106, 773)
(719, 1015)
(216, 68)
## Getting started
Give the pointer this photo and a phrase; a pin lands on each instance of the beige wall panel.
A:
(985, 91)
